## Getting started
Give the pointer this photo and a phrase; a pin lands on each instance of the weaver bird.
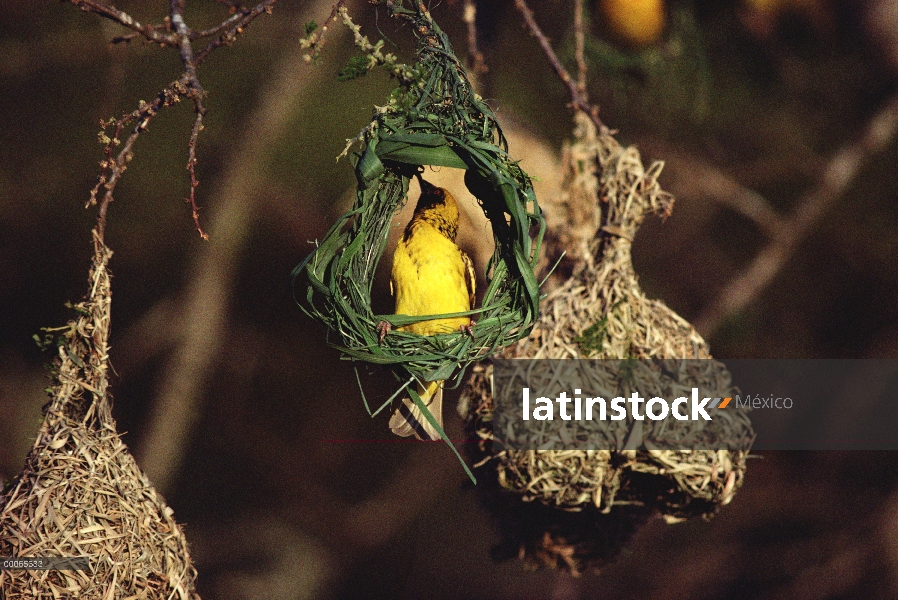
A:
(431, 276)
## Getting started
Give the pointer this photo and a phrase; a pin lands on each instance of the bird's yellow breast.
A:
(429, 279)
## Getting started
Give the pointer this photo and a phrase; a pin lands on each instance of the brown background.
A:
(258, 458)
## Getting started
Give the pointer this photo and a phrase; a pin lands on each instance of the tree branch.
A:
(186, 86)
(836, 176)
(578, 100)
(150, 32)
(702, 179)
(196, 93)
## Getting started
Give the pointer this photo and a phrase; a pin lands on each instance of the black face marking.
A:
(431, 196)
(430, 209)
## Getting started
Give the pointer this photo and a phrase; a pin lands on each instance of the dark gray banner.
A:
(701, 404)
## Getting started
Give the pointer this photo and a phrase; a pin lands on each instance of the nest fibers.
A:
(600, 312)
(81, 494)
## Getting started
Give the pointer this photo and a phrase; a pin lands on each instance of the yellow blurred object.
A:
(431, 276)
(635, 23)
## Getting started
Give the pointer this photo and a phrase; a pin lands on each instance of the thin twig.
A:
(150, 32)
(577, 99)
(836, 176)
(237, 15)
(115, 165)
(237, 27)
(476, 63)
(157, 33)
(196, 94)
(314, 40)
(191, 168)
(186, 86)
(126, 38)
(580, 49)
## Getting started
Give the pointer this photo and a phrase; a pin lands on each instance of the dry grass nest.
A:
(81, 494)
(596, 310)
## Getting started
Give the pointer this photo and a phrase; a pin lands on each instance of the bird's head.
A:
(437, 207)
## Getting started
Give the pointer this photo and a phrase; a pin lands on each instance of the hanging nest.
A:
(432, 118)
(599, 312)
(81, 494)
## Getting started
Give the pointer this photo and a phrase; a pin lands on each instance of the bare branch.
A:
(186, 86)
(578, 101)
(155, 33)
(115, 165)
(126, 38)
(237, 27)
(836, 176)
(196, 94)
(238, 12)
(191, 168)
(108, 11)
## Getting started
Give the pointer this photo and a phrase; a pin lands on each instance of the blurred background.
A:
(776, 119)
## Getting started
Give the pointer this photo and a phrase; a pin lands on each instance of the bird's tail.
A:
(408, 418)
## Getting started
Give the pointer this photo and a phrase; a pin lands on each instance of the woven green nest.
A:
(432, 118)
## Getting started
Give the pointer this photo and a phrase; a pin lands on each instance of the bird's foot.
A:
(468, 328)
(383, 328)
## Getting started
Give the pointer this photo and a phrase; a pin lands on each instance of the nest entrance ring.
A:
(340, 272)
(432, 118)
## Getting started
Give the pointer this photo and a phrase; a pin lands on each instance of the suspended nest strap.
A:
(432, 118)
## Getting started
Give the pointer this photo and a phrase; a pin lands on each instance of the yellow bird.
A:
(431, 276)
